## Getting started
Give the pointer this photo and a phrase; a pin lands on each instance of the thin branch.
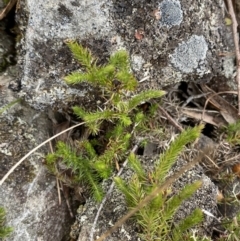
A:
(174, 123)
(57, 181)
(7, 9)
(108, 194)
(154, 193)
(211, 96)
(59, 192)
(36, 148)
(236, 43)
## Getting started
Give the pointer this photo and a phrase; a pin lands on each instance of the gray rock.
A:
(29, 195)
(171, 13)
(115, 207)
(188, 55)
(106, 26)
(44, 57)
(2, 4)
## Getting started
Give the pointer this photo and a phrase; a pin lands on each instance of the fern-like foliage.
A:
(115, 79)
(82, 167)
(4, 231)
(233, 133)
(118, 113)
(156, 217)
(82, 54)
(114, 76)
(169, 157)
(190, 221)
(112, 127)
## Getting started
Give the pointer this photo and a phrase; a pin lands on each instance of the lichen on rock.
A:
(188, 55)
(171, 13)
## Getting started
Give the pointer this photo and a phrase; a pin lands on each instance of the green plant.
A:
(232, 230)
(6, 2)
(112, 125)
(4, 231)
(2, 109)
(233, 133)
(156, 218)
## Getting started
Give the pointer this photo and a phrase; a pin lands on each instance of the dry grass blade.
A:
(154, 193)
(208, 117)
(228, 112)
(57, 181)
(236, 43)
(7, 9)
(36, 148)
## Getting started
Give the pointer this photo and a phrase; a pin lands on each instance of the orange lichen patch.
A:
(139, 34)
(220, 196)
(156, 14)
(236, 169)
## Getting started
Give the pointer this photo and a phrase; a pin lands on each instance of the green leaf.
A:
(96, 189)
(136, 166)
(143, 97)
(104, 76)
(79, 111)
(4, 231)
(127, 80)
(120, 60)
(133, 191)
(89, 148)
(168, 158)
(77, 77)
(174, 203)
(103, 169)
(195, 218)
(82, 54)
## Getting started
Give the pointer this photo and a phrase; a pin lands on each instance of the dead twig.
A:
(59, 192)
(108, 194)
(231, 159)
(57, 181)
(65, 191)
(36, 148)
(236, 43)
(7, 9)
(215, 94)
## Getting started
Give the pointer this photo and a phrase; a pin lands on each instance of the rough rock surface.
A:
(2, 4)
(6, 45)
(29, 195)
(205, 198)
(168, 41)
(183, 42)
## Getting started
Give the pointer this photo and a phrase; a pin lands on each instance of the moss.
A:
(4, 230)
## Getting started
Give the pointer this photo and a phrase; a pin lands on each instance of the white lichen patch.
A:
(137, 62)
(171, 13)
(189, 55)
(5, 152)
(229, 67)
